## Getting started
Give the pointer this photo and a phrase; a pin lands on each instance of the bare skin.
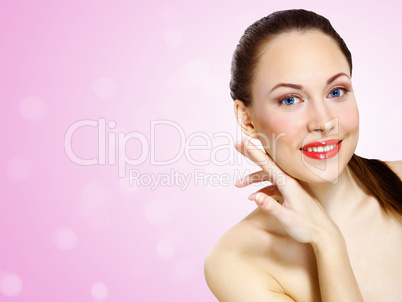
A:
(317, 235)
(257, 260)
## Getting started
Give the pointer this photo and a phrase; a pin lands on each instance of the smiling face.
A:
(302, 94)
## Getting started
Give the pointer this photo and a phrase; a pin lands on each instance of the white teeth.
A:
(321, 148)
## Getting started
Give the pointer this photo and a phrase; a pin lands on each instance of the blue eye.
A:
(336, 93)
(290, 100)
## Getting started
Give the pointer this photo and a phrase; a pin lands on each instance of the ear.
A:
(243, 117)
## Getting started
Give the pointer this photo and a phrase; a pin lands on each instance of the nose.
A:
(320, 118)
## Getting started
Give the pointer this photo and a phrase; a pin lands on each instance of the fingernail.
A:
(261, 200)
(239, 182)
(252, 196)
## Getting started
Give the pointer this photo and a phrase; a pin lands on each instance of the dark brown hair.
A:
(248, 51)
(379, 180)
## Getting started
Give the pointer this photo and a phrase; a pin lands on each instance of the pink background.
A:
(70, 232)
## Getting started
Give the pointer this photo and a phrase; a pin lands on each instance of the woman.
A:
(329, 228)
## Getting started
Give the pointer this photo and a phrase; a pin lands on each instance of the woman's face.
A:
(302, 94)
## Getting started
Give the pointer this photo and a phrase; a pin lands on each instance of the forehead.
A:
(299, 57)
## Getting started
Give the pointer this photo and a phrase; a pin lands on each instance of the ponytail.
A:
(381, 182)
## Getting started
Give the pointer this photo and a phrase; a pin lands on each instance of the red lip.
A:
(323, 143)
(324, 154)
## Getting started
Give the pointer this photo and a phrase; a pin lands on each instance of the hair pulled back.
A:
(379, 180)
(248, 51)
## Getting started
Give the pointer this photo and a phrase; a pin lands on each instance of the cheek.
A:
(350, 119)
(277, 123)
(271, 127)
(280, 132)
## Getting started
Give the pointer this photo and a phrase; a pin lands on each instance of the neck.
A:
(340, 199)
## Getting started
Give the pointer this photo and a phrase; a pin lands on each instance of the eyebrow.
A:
(296, 86)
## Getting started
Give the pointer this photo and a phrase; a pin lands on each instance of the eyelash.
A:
(281, 100)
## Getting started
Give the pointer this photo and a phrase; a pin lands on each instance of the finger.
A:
(270, 191)
(239, 145)
(274, 208)
(252, 178)
(251, 151)
(268, 204)
(257, 155)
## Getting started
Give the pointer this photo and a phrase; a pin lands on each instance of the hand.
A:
(300, 214)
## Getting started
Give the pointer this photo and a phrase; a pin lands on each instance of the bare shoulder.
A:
(396, 166)
(233, 268)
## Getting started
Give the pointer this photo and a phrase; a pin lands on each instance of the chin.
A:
(314, 171)
(324, 178)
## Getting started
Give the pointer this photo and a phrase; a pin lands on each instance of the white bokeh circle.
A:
(99, 291)
(104, 87)
(18, 169)
(11, 285)
(32, 108)
(64, 238)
